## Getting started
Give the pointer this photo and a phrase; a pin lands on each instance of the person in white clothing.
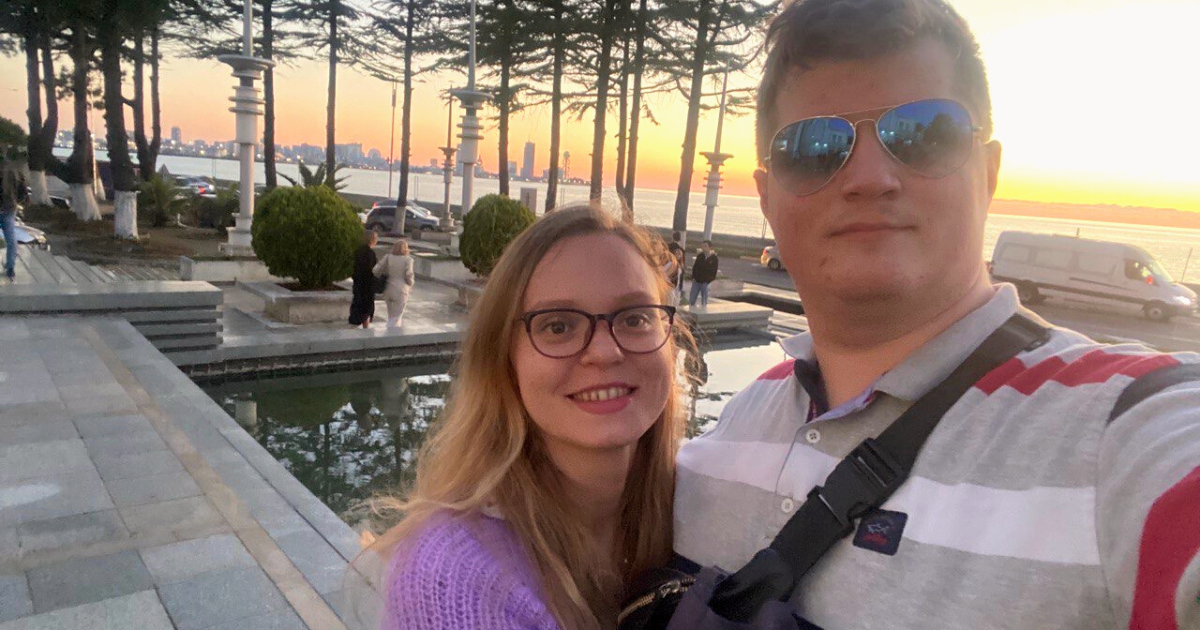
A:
(397, 267)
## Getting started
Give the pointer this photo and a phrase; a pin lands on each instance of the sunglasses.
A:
(933, 137)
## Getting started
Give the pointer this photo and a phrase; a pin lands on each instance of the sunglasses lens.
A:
(932, 137)
(806, 154)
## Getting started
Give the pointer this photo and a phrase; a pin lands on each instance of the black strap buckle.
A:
(859, 482)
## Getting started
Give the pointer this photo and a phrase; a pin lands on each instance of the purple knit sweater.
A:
(465, 572)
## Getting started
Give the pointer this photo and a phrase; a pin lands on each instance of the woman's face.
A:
(602, 398)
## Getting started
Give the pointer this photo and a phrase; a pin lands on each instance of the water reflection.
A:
(349, 435)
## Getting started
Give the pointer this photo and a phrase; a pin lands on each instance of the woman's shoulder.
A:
(465, 571)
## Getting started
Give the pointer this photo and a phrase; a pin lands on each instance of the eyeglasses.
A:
(932, 137)
(560, 333)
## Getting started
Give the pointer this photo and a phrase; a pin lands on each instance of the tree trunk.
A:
(330, 156)
(503, 106)
(33, 87)
(125, 205)
(405, 121)
(155, 103)
(268, 50)
(602, 74)
(555, 108)
(635, 109)
(139, 107)
(50, 124)
(81, 164)
(688, 159)
(623, 101)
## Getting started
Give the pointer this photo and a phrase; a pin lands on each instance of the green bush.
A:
(217, 212)
(309, 234)
(493, 222)
(159, 200)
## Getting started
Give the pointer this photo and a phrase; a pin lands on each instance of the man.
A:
(704, 271)
(1028, 507)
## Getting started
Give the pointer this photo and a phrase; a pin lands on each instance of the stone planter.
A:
(226, 270)
(441, 269)
(301, 307)
(469, 292)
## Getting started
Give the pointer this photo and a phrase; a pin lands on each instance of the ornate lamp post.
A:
(248, 107)
(472, 100)
(715, 160)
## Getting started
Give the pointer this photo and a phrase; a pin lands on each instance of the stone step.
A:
(54, 267)
(86, 272)
(37, 268)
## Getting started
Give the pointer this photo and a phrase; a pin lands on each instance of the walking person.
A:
(362, 307)
(9, 185)
(397, 267)
(704, 271)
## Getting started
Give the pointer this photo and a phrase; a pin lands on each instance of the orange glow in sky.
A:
(1094, 100)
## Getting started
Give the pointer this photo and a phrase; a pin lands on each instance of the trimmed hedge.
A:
(309, 234)
(493, 222)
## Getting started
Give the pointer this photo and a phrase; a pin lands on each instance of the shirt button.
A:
(788, 505)
(812, 436)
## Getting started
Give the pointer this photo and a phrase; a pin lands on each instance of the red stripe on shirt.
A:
(779, 372)
(1094, 367)
(1170, 540)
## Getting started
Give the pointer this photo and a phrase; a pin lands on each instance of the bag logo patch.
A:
(880, 531)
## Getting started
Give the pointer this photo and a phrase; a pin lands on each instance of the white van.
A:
(1082, 270)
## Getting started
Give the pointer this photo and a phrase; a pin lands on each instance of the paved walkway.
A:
(130, 500)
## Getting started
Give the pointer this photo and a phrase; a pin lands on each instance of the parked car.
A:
(382, 218)
(1093, 272)
(197, 185)
(770, 258)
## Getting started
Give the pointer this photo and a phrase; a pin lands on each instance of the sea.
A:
(735, 214)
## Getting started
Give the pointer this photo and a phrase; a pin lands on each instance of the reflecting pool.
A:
(350, 435)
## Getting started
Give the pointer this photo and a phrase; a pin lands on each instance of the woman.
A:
(397, 267)
(362, 307)
(548, 482)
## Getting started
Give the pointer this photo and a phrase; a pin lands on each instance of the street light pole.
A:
(247, 107)
(715, 160)
(448, 165)
(392, 137)
(472, 100)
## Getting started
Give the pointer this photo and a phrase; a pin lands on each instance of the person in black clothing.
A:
(704, 271)
(362, 307)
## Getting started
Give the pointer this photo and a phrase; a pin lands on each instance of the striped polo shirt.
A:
(1025, 509)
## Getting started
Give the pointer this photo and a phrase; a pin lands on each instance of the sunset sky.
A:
(1095, 102)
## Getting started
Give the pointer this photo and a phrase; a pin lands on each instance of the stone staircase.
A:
(37, 266)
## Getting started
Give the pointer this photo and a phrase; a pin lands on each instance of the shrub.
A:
(219, 212)
(158, 200)
(493, 222)
(309, 234)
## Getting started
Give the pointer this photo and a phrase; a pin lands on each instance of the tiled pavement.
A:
(128, 499)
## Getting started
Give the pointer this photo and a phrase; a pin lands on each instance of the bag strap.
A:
(863, 480)
(866, 477)
(1149, 384)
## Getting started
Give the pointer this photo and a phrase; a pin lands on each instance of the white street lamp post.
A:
(448, 165)
(472, 100)
(715, 160)
(248, 107)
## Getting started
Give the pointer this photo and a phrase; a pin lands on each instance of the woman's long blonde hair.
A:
(485, 451)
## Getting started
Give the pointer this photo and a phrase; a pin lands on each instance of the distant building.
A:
(546, 174)
(512, 168)
(375, 155)
(527, 166)
(348, 153)
(433, 163)
(176, 136)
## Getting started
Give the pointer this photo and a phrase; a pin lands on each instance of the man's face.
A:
(879, 231)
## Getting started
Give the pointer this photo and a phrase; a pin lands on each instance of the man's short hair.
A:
(675, 235)
(709, 243)
(807, 32)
